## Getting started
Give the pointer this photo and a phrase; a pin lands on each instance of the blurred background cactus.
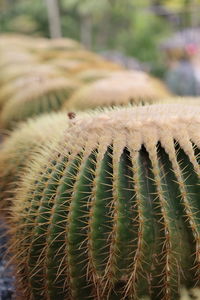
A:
(41, 96)
(118, 88)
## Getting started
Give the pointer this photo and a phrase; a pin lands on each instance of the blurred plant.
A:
(34, 12)
(142, 36)
(130, 27)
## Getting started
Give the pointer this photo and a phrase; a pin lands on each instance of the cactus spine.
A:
(113, 212)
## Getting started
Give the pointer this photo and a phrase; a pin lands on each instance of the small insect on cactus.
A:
(120, 88)
(18, 148)
(113, 211)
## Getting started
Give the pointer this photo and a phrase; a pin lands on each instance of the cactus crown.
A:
(114, 212)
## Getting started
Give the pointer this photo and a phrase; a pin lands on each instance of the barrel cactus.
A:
(120, 88)
(42, 95)
(15, 79)
(20, 56)
(113, 211)
(13, 72)
(21, 144)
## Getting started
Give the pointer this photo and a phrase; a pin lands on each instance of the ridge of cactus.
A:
(112, 212)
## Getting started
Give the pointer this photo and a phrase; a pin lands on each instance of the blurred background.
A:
(161, 37)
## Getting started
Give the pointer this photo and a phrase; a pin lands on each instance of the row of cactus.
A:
(31, 80)
(44, 75)
(103, 204)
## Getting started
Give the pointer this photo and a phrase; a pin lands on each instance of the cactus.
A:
(42, 95)
(120, 88)
(18, 148)
(40, 46)
(9, 57)
(12, 72)
(113, 211)
(15, 79)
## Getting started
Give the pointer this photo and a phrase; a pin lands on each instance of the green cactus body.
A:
(118, 216)
(31, 207)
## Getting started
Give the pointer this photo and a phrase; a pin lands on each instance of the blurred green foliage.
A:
(130, 26)
(28, 17)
